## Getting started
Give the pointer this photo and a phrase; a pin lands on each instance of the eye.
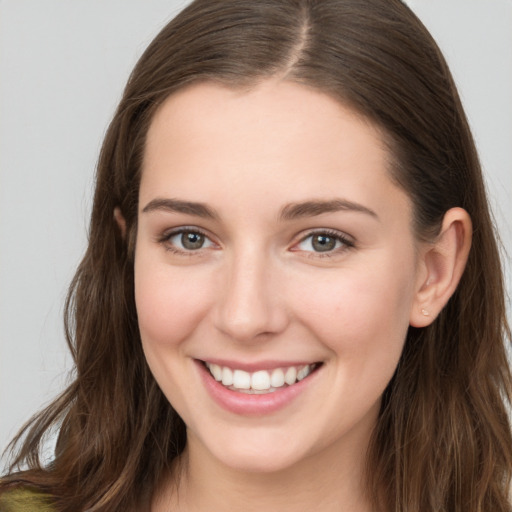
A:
(186, 241)
(324, 242)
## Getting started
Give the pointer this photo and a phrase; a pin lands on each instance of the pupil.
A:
(323, 243)
(192, 240)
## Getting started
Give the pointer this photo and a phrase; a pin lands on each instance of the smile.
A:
(252, 389)
(261, 381)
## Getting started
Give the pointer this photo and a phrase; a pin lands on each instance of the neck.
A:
(331, 480)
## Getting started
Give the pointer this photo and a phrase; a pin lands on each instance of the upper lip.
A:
(258, 365)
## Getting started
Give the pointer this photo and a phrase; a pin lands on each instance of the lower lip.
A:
(252, 405)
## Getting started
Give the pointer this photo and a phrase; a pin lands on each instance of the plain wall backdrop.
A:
(63, 65)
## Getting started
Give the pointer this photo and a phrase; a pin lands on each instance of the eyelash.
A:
(346, 242)
(164, 240)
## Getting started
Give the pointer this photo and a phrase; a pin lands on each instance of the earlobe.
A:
(120, 221)
(443, 261)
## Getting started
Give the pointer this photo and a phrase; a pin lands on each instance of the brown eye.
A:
(191, 240)
(186, 241)
(323, 243)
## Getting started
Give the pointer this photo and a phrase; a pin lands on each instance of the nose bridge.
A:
(249, 304)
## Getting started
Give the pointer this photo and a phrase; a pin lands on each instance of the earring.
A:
(424, 312)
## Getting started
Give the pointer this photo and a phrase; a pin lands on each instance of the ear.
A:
(442, 264)
(120, 220)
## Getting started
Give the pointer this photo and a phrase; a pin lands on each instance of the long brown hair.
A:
(443, 439)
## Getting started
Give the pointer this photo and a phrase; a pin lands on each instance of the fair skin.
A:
(235, 267)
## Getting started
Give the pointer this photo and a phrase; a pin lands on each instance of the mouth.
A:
(262, 381)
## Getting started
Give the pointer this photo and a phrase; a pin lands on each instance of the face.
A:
(275, 271)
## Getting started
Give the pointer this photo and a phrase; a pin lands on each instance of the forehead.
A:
(279, 139)
(202, 112)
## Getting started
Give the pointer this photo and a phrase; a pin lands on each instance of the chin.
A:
(254, 452)
(259, 461)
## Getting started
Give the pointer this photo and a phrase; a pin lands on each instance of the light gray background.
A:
(63, 64)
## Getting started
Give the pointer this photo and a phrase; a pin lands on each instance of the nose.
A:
(251, 303)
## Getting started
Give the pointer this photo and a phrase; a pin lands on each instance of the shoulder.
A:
(23, 499)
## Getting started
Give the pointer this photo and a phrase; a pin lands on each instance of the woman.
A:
(292, 295)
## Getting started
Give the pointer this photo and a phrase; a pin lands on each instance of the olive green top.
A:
(24, 500)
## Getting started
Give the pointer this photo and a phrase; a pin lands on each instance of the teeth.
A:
(227, 376)
(291, 375)
(262, 381)
(216, 371)
(241, 379)
(277, 378)
(303, 373)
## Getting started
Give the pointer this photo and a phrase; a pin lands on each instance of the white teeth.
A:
(216, 371)
(291, 375)
(227, 376)
(241, 379)
(262, 381)
(277, 378)
(303, 373)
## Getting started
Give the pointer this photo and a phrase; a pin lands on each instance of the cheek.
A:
(359, 312)
(169, 303)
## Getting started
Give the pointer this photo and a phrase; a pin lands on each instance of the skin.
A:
(258, 290)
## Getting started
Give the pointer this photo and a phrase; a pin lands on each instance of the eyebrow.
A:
(290, 211)
(176, 205)
(318, 207)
